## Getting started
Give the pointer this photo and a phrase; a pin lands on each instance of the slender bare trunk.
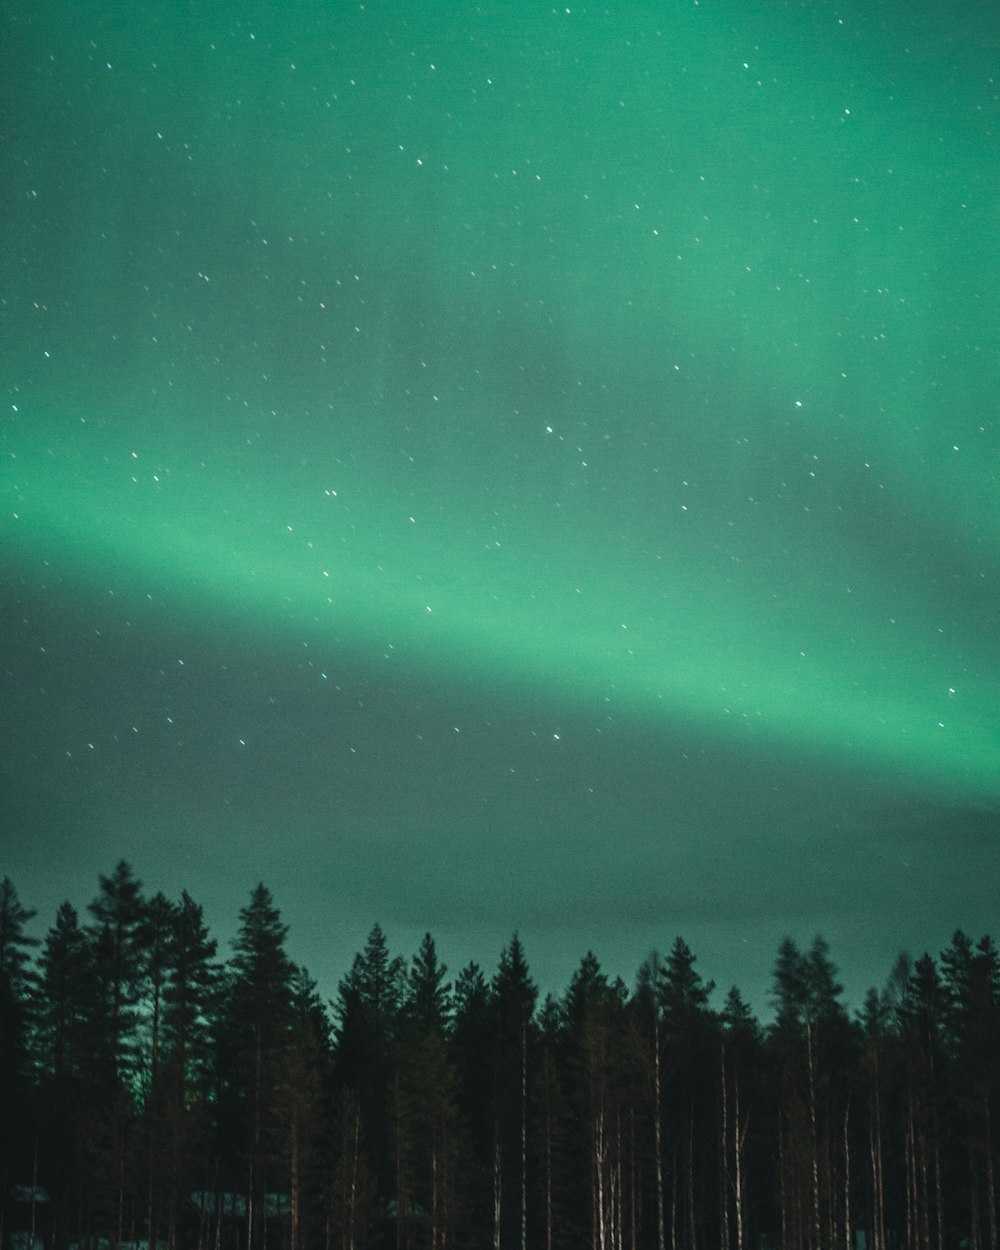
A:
(725, 1178)
(974, 1217)
(813, 1141)
(691, 1220)
(633, 1211)
(910, 1176)
(293, 1231)
(524, 1135)
(782, 1186)
(673, 1197)
(120, 1223)
(925, 1214)
(991, 1208)
(658, 1132)
(352, 1224)
(599, 1215)
(34, 1193)
(548, 1168)
(848, 1232)
(434, 1197)
(497, 1187)
(876, 1159)
(740, 1133)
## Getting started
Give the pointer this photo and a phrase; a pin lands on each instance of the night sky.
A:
(499, 466)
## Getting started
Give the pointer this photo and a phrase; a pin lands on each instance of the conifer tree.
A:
(118, 961)
(552, 1125)
(258, 1011)
(689, 1089)
(367, 1017)
(512, 1005)
(594, 1027)
(299, 1099)
(740, 1105)
(428, 1143)
(189, 997)
(472, 1052)
(116, 936)
(16, 983)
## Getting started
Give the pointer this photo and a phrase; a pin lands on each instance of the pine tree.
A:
(118, 960)
(649, 1030)
(426, 1094)
(594, 1026)
(366, 1027)
(689, 1090)
(299, 1108)
(154, 936)
(472, 1052)
(116, 937)
(740, 1044)
(259, 1009)
(512, 1005)
(552, 1125)
(188, 994)
(971, 985)
(16, 984)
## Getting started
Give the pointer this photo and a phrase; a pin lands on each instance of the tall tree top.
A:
(429, 998)
(514, 992)
(681, 987)
(260, 922)
(13, 940)
(119, 899)
(789, 993)
(375, 981)
(806, 989)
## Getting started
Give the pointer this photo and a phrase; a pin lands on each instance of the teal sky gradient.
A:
(622, 383)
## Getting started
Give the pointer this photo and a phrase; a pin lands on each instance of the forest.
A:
(155, 1094)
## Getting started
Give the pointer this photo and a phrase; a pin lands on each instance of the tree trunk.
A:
(782, 1186)
(692, 1217)
(740, 1132)
(658, 1133)
(813, 1142)
(876, 1159)
(725, 1180)
(497, 1186)
(524, 1135)
(548, 1169)
(991, 1207)
(632, 1187)
(848, 1234)
(598, 1204)
(293, 1231)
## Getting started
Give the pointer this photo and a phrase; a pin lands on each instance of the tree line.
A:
(152, 1093)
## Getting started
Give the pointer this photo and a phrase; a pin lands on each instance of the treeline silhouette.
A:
(154, 1094)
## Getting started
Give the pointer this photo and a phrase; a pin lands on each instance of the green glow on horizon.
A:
(823, 672)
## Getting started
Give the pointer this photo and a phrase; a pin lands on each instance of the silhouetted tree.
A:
(472, 1053)
(367, 1014)
(512, 1005)
(427, 1147)
(152, 1096)
(258, 1012)
(16, 983)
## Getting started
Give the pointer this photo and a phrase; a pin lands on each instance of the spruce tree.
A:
(258, 1016)
(16, 984)
(512, 1005)
(366, 1029)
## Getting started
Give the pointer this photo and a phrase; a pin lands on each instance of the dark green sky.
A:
(505, 465)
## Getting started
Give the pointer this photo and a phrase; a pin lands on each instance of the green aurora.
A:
(643, 363)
